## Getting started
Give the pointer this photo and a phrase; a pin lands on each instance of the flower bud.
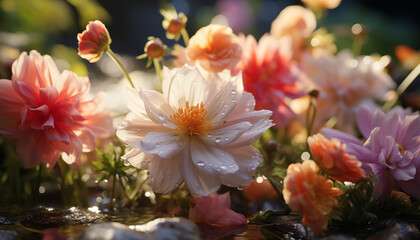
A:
(93, 41)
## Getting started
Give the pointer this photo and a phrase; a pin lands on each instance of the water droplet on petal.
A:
(209, 135)
(218, 140)
(222, 113)
(223, 167)
(161, 117)
(200, 164)
(226, 139)
(240, 188)
(233, 92)
(176, 137)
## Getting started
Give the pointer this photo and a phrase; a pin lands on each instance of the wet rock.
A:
(50, 216)
(161, 228)
(8, 235)
(398, 230)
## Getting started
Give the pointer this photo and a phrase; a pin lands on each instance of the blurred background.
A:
(51, 26)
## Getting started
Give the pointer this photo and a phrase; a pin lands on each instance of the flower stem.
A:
(112, 55)
(37, 185)
(156, 63)
(408, 80)
(111, 203)
(310, 119)
(185, 36)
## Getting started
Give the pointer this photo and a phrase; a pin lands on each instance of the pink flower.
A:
(214, 210)
(49, 113)
(270, 76)
(93, 41)
(198, 132)
(215, 48)
(344, 83)
(391, 151)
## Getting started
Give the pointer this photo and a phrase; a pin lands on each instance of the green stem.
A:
(37, 185)
(156, 63)
(112, 55)
(111, 203)
(357, 45)
(185, 36)
(408, 80)
(310, 119)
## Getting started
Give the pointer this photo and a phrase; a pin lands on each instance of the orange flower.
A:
(296, 22)
(93, 41)
(215, 48)
(321, 4)
(332, 157)
(258, 190)
(307, 192)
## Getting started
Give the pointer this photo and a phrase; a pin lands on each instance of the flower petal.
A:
(211, 159)
(226, 135)
(157, 108)
(163, 144)
(248, 159)
(199, 183)
(165, 174)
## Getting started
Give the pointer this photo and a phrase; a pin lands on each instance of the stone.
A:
(158, 229)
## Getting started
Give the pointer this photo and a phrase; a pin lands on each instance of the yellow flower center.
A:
(192, 120)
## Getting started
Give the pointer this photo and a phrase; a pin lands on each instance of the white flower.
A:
(198, 131)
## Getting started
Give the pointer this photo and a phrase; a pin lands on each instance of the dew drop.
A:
(222, 113)
(126, 163)
(209, 135)
(240, 188)
(200, 164)
(218, 140)
(176, 137)
(247, 108)
(226, 139)
(233, 92)
(161, 117)
(223, 167)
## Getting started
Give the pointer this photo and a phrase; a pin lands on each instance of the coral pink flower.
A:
(332, 157)
(270, 76)
(307, 192)
(391, 151)
(197, 131)
(49, 112)
(214, 210)
(296, 22)
(321, 4)
(215, 48)
(344, 83)
(93, 41)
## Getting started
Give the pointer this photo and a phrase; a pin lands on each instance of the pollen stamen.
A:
(191, 120)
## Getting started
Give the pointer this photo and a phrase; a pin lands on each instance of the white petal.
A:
(184, 84)
(157, 108)
(199, 183)
(248, 159)
(133, 128)
(220, 105)
(246, 104)
(211, 159)
(225, 135)
(164, 144)
(135, 103)
(165, 174)
(139, 159)
(260, 123)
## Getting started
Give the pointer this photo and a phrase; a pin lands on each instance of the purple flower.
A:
(391, 151)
